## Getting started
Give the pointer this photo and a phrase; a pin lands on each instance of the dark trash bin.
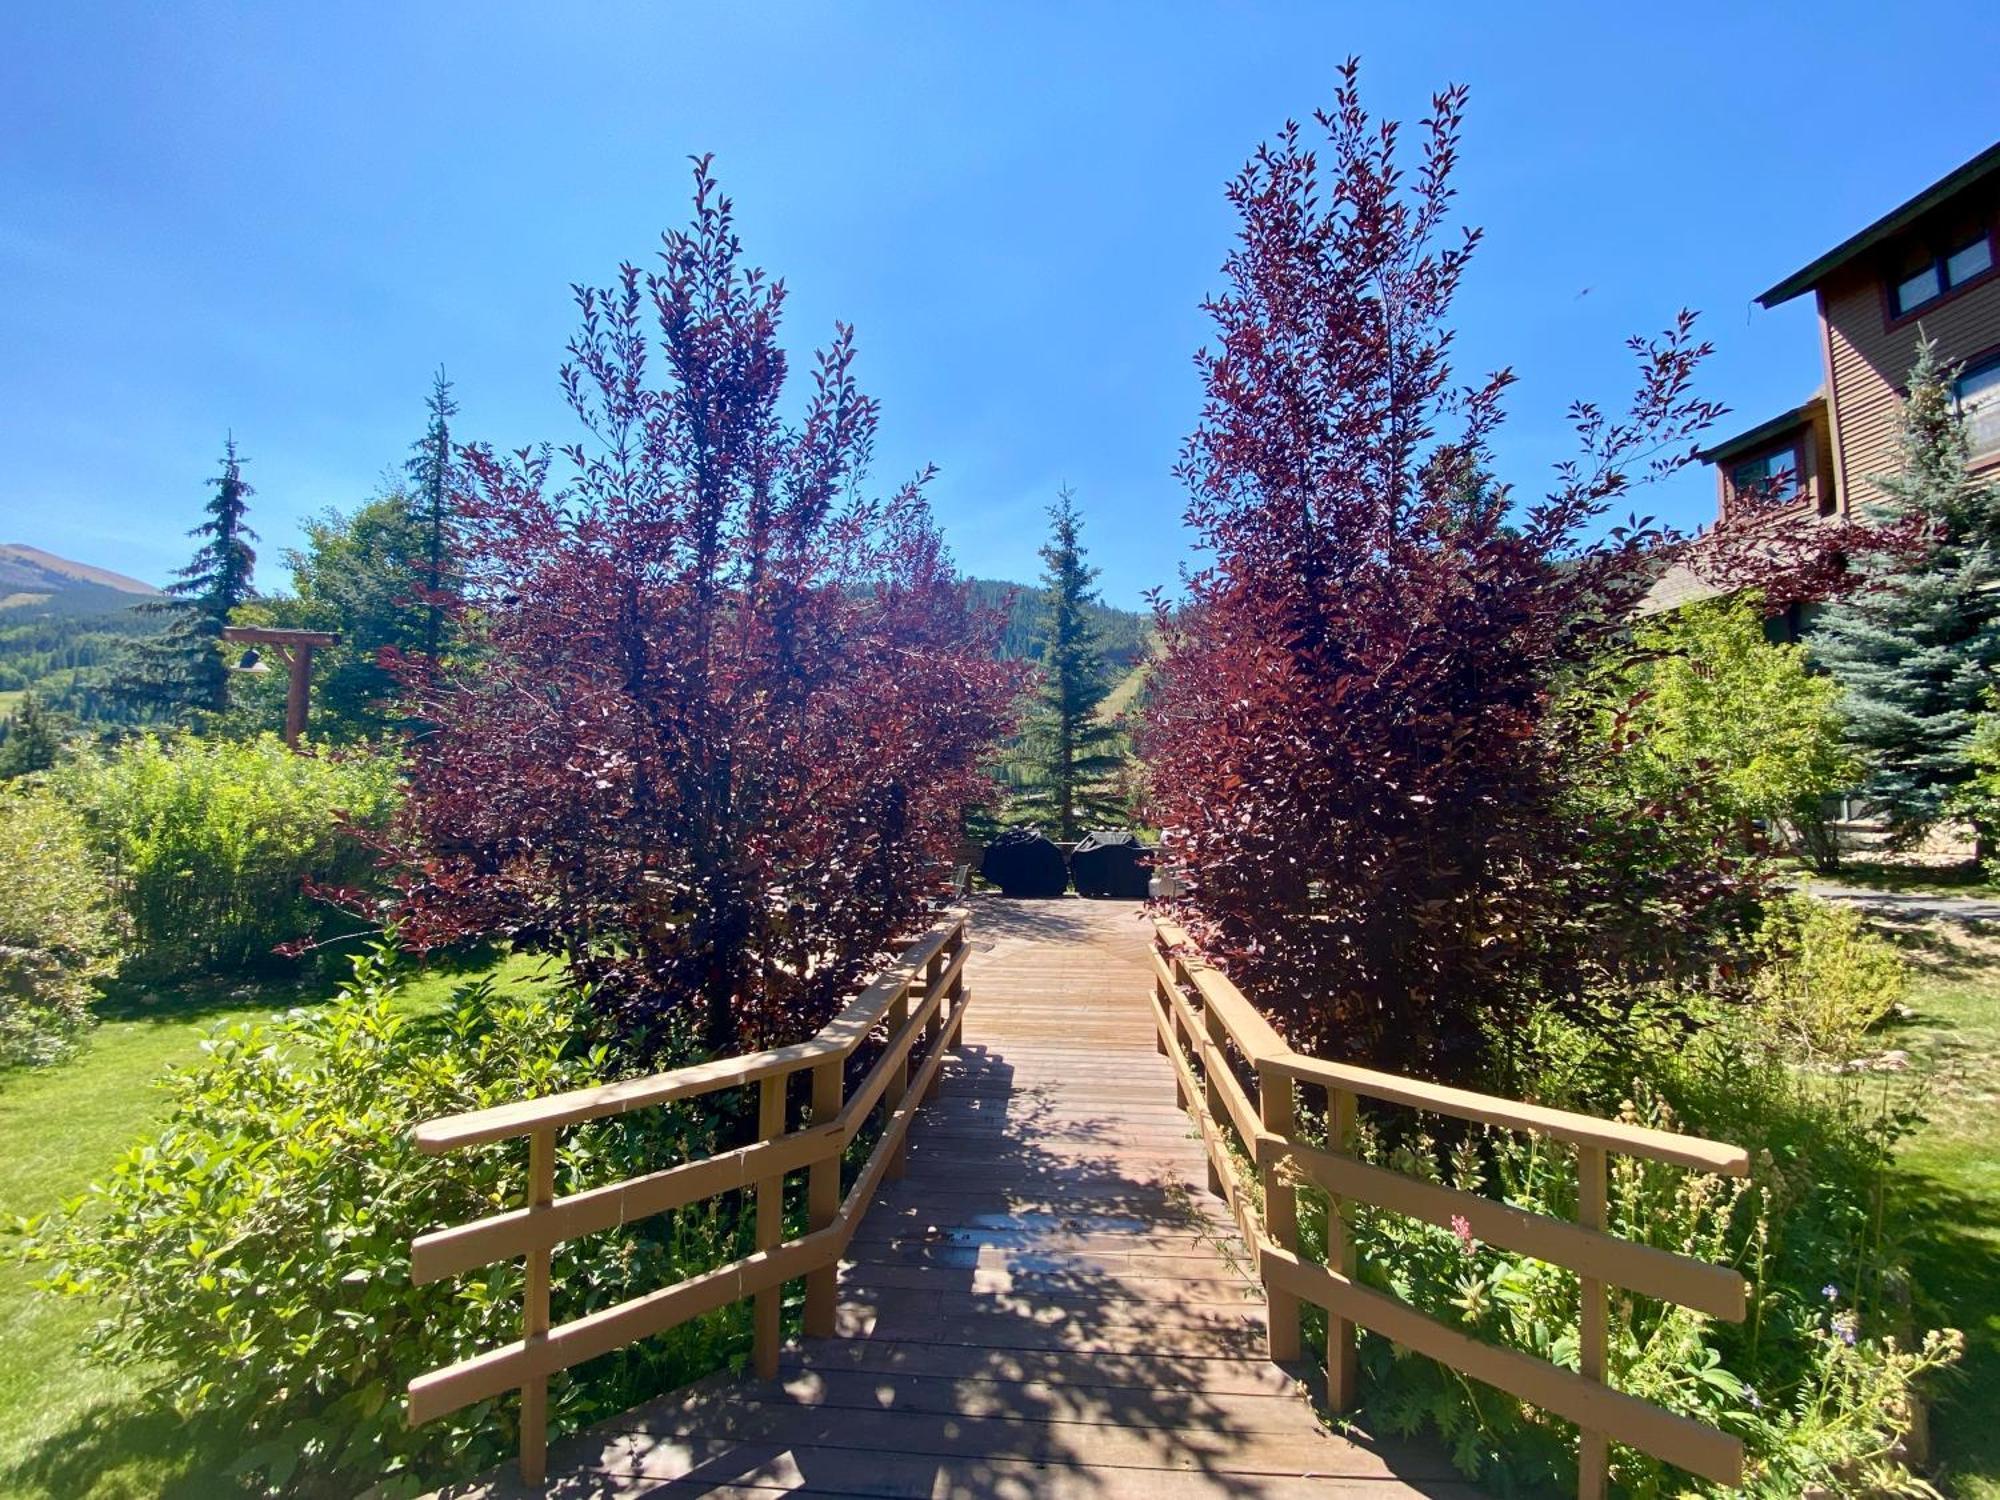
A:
(1111, 863)
(1023, 863)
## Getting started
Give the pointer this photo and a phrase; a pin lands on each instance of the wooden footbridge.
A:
(1050, 1278)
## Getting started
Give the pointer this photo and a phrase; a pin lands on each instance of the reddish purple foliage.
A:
(723, 711)
(1353, 742)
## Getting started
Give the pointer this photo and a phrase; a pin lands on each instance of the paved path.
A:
(1048, 1305)
(1910, 906)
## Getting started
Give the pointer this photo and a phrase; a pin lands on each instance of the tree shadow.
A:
(163, 1454)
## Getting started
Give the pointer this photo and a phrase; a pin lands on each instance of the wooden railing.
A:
(921, 998)
(1204, 1023)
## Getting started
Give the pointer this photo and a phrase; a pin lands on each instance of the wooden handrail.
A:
(921, 998)
(1199, 1015)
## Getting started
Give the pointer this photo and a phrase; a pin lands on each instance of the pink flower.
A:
(1461, 1227)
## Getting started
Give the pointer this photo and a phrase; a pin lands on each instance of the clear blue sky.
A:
(279, 219)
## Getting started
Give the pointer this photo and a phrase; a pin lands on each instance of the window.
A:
(1769, 477)
(1978, 393)
(1930, 276)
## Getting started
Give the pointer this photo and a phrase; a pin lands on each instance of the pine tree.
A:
(180, 674)
(1069, 758)
(30, 739)
(431, 479)
(1917, 648)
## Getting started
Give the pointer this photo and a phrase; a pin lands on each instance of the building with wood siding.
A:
(1928, 267)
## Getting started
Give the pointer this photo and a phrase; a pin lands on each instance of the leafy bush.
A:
(55, 928)
(213, 845)
(1709, 698)
(257, 1247)
(719, 711)
(1819, 1383)
(1824, 979)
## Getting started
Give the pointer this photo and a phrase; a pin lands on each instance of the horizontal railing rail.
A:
(918, 1005)
(1204, 1024)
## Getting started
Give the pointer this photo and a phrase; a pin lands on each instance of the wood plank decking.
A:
(1049, 1303)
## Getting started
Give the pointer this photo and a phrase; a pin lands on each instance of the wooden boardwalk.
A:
(1049, 1303)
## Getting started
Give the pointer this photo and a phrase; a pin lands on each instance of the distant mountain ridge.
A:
(63, 625)
(28, 575)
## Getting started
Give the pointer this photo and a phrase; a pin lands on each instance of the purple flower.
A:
(1462, 1227)
(1830, 1292)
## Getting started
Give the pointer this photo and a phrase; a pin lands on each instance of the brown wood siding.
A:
(1868, 364)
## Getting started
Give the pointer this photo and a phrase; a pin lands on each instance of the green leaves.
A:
(256, 1247)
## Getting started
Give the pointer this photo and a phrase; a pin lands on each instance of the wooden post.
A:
(823, 1197)
(899, 1079)
(298, 661)
(1177, 1034)
(535, 1312)
(1213, 1058)
(770, 1224)
(934, 1032)
(1277, 1113)
(1341, 1376)
(1593, 1470)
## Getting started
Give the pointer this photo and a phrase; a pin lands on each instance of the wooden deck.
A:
(1048, 1304)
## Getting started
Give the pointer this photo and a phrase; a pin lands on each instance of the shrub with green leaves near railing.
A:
(256, 1248)
(56, 928)
(212, 846)
(1821, 1381)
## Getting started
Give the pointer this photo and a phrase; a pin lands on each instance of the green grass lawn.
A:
(1950, 1174)
(70, 1426)
(1917, 880)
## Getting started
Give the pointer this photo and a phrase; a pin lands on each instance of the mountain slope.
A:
(30, 569)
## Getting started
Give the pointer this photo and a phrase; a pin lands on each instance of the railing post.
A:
(1341, 1377)
(535, 1311)
(934, 1032)
(770, 1224)
(1178, 1031)
(823, 1197)
(1213, 1058)
(899, 1077)
(1277, 1113)
(1163, 1018)
(1593, 1470)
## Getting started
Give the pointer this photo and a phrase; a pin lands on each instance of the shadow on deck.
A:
(1049, 1303)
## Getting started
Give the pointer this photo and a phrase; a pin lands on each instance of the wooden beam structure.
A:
(294, 648)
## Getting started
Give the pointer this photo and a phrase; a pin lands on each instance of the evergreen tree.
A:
(1917, 648)
(1069, 758)
(431, 479)
(30, 739)
(181, 673)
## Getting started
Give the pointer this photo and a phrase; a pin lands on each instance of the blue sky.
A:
(279, 219)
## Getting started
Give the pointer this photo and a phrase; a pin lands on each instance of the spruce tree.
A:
(431, 480)
(180, 674)
(1069, 758)
(30, 739)
(1917, 647)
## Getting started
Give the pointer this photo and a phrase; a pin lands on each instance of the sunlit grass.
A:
(1950, 1172)
(69, 1425)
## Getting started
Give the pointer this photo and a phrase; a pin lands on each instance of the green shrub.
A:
(1824, 979)
(257, 1247)
(1820, 1401)
(55, 928)
(212, 844)
(1821, 1379)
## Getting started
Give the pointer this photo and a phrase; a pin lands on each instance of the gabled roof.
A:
(1755, 437)
(1805, 279)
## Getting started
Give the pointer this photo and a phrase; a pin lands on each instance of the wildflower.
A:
(1750, 1395)
(1462, 1227)
(1830, 1292)
(1846, 1326)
